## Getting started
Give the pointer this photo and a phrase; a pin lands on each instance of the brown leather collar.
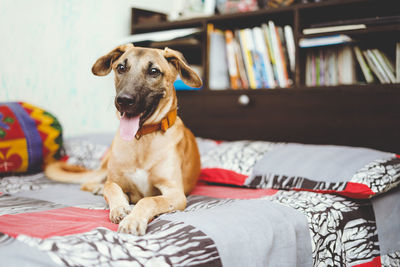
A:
(165, 123)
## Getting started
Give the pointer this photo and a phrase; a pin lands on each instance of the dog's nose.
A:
(125, 100)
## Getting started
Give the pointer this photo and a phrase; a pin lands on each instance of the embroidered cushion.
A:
(29, 137)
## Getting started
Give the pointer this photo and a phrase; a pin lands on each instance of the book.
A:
(313, 69)
(374, 66)
(160, 36)
(308, 73)
(369, 78)
(255, 58)
(398, 62)
(218, 65)
(324, 40)
(284, 56)
(290, 46)
(282, 80)
(370, 21)
(240, 63)
(346, 65)
(247, 58)
(261, 47)
(336, 28)
(271, 54)
(384, 64)
(317, 68)
(332, 65)
(231, 57)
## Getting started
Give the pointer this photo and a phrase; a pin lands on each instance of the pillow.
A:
(230, 162)
(29, 137)
(86, 152)
(349, 171)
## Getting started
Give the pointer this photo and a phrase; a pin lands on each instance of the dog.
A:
(154, 160)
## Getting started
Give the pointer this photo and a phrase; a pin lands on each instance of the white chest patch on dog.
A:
(140, 179)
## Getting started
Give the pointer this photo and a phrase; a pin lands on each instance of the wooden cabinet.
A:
(360, 114)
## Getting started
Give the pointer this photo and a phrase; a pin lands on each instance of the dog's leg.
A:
(117, 201)
(166, 176)
(147, 208)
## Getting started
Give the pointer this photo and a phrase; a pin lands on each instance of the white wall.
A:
(47, 49)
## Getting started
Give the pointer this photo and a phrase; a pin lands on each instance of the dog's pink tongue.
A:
(128, 127)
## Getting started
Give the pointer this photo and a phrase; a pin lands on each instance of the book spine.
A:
(334, 29)
(373, 67)
(248, 61)
(291, 48)
(284, 56)
(240, 62)
(318, 68)
(277, 53)
(378, 66)
(381, 61)
(232, 67)
(218, 65)
(313, 69)
(271, 54)
(398, 62)
(261, 47)
(363, 65)
(308, 77)
(255, 59)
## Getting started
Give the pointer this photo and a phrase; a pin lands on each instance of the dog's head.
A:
(144, 77)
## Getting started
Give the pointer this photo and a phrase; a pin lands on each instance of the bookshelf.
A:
(299, 16)
(298, 104)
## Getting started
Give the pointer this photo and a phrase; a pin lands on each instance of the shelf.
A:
(368, 30)
(365, 88)
(168, 25)
(298, 16)
(199, 21)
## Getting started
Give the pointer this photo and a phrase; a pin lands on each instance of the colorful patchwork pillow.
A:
(29, 137)
(349, 171)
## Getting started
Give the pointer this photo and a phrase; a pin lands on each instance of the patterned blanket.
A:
(45, 223)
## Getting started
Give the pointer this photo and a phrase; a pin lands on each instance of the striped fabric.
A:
(29, 137)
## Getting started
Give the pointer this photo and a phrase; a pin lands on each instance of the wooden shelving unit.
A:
(285, 110)
(299, 16)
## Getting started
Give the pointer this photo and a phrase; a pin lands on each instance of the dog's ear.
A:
(188, 75)
(103, 65)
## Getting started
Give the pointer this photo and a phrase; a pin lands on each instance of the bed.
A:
(257, 203)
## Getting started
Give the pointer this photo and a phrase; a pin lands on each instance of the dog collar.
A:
(165, 123)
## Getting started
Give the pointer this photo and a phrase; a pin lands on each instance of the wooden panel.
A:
(348, 115)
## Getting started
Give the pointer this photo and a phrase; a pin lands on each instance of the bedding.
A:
(355, 172)
(45, 223)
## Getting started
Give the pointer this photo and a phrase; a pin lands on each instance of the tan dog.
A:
(154, 160)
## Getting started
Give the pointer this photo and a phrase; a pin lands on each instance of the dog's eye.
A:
(121, 68)
(154, 72)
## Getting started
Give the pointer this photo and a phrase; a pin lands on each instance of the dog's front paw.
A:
(132, 225)
(119, 213)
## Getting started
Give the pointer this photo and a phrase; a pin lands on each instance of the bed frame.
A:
(355, 115)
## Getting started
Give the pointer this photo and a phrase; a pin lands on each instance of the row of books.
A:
(251, 58)
(330, 66)
(335, 65)
(375, 63)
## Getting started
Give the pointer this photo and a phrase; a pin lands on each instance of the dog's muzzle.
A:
(127, 103)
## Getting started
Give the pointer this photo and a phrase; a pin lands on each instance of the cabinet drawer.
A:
(320, 116)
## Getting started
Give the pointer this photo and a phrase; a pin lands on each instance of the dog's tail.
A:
(61, 172)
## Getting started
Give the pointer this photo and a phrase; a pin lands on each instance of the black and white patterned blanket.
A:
(45, 223)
